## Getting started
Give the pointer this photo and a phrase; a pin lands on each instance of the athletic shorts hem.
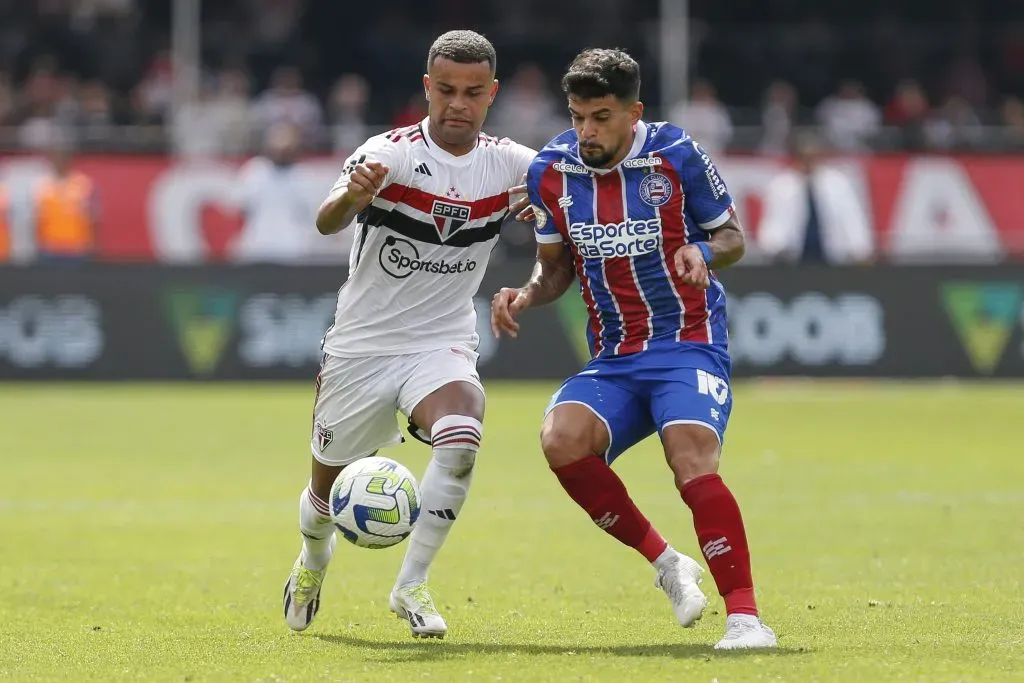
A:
(699, 423)
(428, 388)
(343, 462)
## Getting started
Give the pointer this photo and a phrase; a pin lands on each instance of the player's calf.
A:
(692, 452)
(455, 440)
(569, 432)
(302, 588)
(573, 439)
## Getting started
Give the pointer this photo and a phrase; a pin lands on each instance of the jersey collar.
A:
(639, 140)
(445, 157)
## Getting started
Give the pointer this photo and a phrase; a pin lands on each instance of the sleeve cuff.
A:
(548, 237)
(721, 220)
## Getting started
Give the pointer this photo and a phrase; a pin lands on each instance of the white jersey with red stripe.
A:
(423, 243)
(624, 226)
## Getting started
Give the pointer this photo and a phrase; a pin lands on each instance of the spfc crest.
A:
(324, 436)
(449, 217)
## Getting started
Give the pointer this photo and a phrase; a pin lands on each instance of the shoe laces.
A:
(421, 594)
(307, 583)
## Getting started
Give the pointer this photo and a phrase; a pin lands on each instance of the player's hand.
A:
(505, 306)
(520, 207)
(365, 181)
(691, 267)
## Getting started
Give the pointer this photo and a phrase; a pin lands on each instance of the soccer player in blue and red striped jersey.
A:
(639, 213)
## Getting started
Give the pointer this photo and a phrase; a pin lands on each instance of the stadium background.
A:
(920, 107)
(163, 106)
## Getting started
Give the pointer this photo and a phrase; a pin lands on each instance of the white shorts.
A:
(354, 413)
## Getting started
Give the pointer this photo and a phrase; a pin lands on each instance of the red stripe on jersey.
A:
(424, 201)
(618, 270)
(550, 191)
(398, 133)
(673, 230)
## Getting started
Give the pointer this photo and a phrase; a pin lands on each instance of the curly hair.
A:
(597, 72)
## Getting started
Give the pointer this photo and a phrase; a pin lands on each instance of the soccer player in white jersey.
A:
(429, 202)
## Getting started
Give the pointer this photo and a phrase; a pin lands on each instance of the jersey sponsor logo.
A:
(399, 258)
(449, 217)
(655, 189)
(642, 162)
(563, 167)
(715, 181)
(610, 240)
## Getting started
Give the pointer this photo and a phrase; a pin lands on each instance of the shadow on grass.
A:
(437, 650)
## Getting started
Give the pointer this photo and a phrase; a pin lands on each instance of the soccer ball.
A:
(375, 502)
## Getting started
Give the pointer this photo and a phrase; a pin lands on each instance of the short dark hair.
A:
(464, 47)
(597, 72)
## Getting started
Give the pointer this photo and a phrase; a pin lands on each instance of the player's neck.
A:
(454, 150)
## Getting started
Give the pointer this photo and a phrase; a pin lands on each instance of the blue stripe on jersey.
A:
(582, 211)
(666, 310)
(717, 311)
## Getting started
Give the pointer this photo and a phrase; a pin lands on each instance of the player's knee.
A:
(691, 451)
(322, 478)
(563, 443)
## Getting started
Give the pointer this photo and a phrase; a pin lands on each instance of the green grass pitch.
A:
(146, 532)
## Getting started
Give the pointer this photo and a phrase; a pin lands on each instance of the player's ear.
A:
(426, 86)
(494, 91)
(636, 111)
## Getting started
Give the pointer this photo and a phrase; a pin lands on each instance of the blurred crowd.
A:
(102, 69)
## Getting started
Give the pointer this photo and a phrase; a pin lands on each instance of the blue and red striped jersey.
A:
(624, 226)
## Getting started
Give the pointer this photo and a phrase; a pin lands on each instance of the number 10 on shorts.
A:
(715, 387)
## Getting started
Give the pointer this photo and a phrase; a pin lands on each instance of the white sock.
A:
(443, 490)
(317, 528)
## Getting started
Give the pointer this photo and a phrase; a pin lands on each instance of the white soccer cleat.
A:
(414, 604)
(302, 593)
(681, 582)
(745, 631)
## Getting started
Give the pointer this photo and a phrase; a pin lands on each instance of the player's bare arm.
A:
(726, 246)
(338, 210)
(552, 275)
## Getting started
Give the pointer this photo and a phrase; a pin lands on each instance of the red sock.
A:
(722, 539)
(599, 491)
